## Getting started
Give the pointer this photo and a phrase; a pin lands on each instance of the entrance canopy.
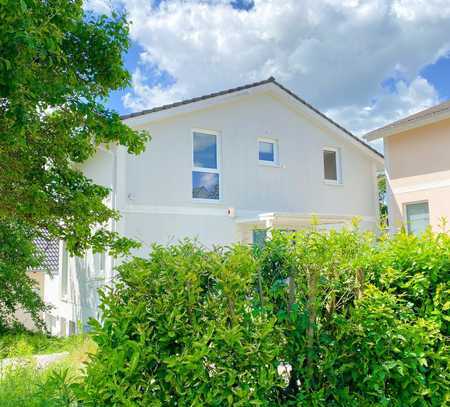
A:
(293, 219)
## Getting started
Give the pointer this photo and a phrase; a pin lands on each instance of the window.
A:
(259, 237)
(205, 173)
(99, 265)
(72, 328)
(331, 166)
(267, 151)
(64, 273)
(417, 217)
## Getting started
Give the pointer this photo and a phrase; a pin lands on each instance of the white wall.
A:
(83, 300)
(154, 189)
(161, 176)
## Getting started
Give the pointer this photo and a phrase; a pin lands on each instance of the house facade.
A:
(222, 168)
(418, 169)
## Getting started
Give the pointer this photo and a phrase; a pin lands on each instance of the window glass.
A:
(266, 151)
(65, 273)
(205, 185)
(330, 165)
(259, 237)
(99, 265)
(417, 217)
(205, 150)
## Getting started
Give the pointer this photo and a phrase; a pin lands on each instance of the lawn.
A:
(29, 386)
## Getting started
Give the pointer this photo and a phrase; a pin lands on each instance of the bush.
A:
(348, 321)
(20, 342)
(183, 328)
(26, 385)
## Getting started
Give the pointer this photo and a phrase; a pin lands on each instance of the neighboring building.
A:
(222, 168)
(417, 157)
(50, 250)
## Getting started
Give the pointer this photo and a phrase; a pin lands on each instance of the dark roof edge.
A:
(197, 99)
(244, 87)
(415, 118)
(298, 98)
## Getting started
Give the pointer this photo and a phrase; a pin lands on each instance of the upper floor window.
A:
(205, 171)
(267, 151)
(417, 217)
(331, 165)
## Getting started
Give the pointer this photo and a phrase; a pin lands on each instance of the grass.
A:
(27, 386)
(24, 343)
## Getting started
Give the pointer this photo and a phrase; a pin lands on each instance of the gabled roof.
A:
(50, 249)
(268, 81)
(427, 116)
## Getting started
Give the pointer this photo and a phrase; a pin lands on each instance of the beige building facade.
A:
(417, 160)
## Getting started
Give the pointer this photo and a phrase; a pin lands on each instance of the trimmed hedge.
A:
(312, 319)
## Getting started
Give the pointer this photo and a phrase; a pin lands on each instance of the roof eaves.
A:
(298, 98)
(197, 99)
(414, 120)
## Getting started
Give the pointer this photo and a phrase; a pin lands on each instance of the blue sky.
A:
(438, 74)
(363, 62)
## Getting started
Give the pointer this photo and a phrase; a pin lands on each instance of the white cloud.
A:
(334, 53)
(98, 6)
(390, 106)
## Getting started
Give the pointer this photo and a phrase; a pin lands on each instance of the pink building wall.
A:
(418, 166)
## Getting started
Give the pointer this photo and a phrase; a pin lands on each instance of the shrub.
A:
(352, 321)
(182, 328)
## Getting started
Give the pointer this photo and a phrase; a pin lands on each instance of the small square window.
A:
(331, 166)
(417, 217)
(267, 151)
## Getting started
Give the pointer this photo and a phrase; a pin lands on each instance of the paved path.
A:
(40, 361)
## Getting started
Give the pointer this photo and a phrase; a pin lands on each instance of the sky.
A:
(364, 63)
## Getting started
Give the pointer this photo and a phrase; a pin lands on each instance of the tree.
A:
(57, 67)
(382, 197)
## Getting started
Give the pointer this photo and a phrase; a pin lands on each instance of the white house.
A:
(222, 168)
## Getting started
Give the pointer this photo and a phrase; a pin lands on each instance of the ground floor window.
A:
(417, 217)
(259, 237)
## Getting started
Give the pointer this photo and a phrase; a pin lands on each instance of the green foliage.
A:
(20, 342)
(387, 356)
(26, 385)
(418, 270)
(382, 197)
(181, 329)
(18, 255)
(57, 66)
(354, 321)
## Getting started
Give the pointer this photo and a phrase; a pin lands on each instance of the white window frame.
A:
(405, 211)
(210, 170)
(338, 181)
(276, 162)
(99, 275)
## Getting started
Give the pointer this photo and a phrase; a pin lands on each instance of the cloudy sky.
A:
(362, 62)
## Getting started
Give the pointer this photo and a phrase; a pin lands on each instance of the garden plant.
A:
(314, 318)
